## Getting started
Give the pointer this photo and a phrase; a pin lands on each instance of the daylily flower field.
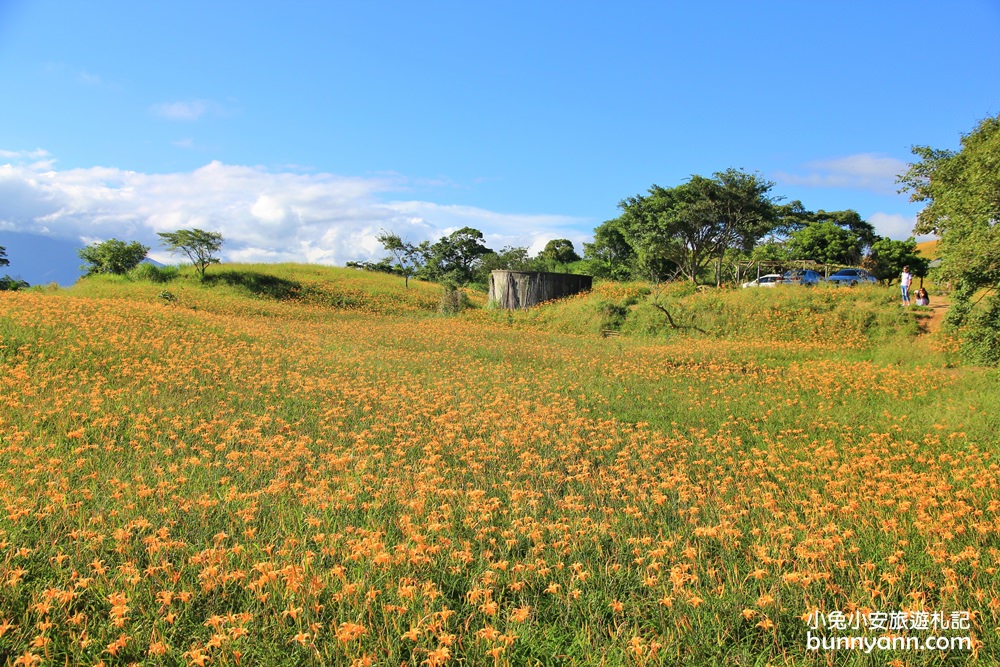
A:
(215, 479)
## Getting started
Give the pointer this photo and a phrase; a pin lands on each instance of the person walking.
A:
(904, 284)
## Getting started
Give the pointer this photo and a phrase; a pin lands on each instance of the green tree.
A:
(794, 218)
(455, 257)
(610, 255)
(514, 258)
(112, 256)
(745, 210)
(683, 229)
(510, 258)
(824, 242)
(199, 246)
(790, 217)
(409, 258)
(962, 192)
(888, 257)
(3, 257)
(670, 230)
(850, 220)
(558, 251)
(770, 251)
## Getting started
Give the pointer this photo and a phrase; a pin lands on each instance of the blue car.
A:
(802, 277)
(851, 277)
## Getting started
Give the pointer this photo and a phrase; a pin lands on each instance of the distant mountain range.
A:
(41, 260)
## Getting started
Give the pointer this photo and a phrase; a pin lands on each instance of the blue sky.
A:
(301, 129)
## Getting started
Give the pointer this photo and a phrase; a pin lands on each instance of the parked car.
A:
(802, 277)
(851, 277)
(770, 280)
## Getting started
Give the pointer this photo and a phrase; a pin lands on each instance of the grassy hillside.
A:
(818, 318)
(262, 470)
(928, 249)
(276, 289)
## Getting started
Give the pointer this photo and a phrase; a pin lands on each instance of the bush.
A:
(613, 315)
(453, 301)
(154, 274)
(981, 336)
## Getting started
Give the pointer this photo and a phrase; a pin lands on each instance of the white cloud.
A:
(264, 216)
(36, 154)
(864, 171)
(895, 226)
(36, 159)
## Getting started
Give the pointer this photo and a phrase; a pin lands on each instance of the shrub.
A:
(613, 315)
(453, 301)
(154, 274)
(981, 337)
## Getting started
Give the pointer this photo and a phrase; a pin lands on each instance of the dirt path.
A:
(930, 322)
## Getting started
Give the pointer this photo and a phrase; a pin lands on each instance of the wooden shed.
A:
(523, 289)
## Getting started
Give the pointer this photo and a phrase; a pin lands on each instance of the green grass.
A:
(860, 317)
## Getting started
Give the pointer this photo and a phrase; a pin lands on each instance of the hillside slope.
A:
(291, 290)
(823, 317)
(928, 249)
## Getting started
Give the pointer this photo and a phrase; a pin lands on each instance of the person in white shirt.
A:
(904, 284)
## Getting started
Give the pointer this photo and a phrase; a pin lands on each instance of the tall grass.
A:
(855, 318)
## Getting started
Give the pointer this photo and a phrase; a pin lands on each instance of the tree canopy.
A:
(3, 257)
(558, 251)
(510, 258)
(454, 258)
(824, 242)
(680, 230)
(610, 255)
(888, 257)
(197, 245)
(112, 256)
(962, 193)
(793, 217)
